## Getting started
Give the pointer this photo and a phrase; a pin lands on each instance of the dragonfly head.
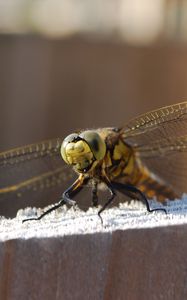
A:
(82, 150)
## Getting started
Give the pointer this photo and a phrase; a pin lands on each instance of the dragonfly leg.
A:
(94, 195)
(54, 207)
(71, 191)
(112, 195)
(133, 192)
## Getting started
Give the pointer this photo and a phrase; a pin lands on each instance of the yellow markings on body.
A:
(107, 160)
(130, 168)
(153, 187)
(125, 162)
(120, 151)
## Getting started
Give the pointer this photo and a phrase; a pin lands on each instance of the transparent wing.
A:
(160, 140)
(33, 175)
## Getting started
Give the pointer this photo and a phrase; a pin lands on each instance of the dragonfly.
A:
(143, 159)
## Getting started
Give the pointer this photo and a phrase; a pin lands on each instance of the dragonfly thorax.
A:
(83, 150)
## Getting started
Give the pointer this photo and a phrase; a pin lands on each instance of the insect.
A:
(146, 158)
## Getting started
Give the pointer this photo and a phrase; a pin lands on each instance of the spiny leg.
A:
(71, 191)
(54, 207)
(133, 192)
(112, 195)
(94, 195)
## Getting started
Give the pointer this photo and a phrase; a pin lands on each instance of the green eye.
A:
(82, 150)
(69, 139)
(95, 142)
(79, 146)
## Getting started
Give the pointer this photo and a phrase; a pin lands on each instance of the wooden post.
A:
(70, 255)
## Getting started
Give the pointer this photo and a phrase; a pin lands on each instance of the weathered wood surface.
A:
(70, 255)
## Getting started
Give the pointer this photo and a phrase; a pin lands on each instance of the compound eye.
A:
(67, 144)
(95, 142)
(79, 146)
(63, 153)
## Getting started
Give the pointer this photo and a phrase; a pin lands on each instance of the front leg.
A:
(71, 191)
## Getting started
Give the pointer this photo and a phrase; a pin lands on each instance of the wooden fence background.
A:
(51, 87)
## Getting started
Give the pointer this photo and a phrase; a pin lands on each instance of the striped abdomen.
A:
(155, 188)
